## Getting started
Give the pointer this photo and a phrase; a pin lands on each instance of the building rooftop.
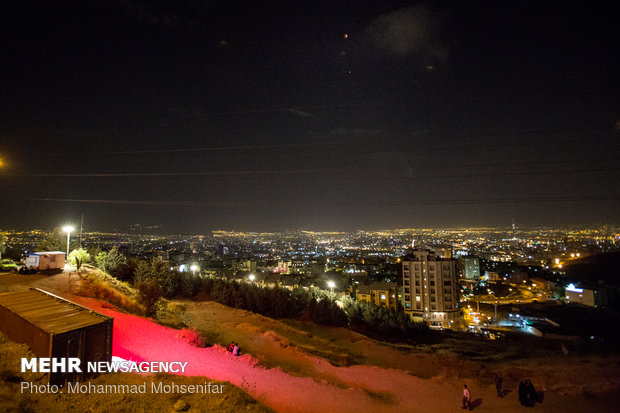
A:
(49, 312)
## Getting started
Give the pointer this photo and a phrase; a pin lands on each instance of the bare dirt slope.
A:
(12, 399)
(293, 365)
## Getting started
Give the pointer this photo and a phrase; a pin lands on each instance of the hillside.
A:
(294, 365)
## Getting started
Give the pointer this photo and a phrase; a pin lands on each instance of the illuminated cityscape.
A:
(300, 207)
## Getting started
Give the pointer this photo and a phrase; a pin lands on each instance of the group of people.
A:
(527, 393)
(234, 348)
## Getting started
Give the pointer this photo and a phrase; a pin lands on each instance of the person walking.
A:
(236, 350)
(466, 398)
(498, 385)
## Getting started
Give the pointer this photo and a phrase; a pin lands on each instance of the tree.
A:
(171, 281)
(79, 257)
(142, 273)
(54, 241)
(150, 293)
(100, 259)
(3, 239)
(94, 251)
(111, 262)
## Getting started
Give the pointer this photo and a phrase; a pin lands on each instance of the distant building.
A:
(471, 267)
(243, 265)
(542, 284)
(221, 251)
(381, 294)
(290, 282)
(430, 288)
(297, 266)
(355, 274)
(592, 297)
(356, 279)
(443, 251)
(284, 266)
(272, 280)
(492, 276)
(316, 269)
(519, 277)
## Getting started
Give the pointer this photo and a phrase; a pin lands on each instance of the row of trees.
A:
(271, 302)
(155, 279)
(322, 307)
(381, 322)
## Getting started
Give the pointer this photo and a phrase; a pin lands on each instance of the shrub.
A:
(192, 337)
(171, 282)
(90, 287)
(150, 293)
(78, 257)
(324, 310)
(114, 263)
(381, 322)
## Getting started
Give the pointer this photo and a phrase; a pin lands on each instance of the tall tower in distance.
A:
(514, 241)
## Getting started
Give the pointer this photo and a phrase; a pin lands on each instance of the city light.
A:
(571, 287)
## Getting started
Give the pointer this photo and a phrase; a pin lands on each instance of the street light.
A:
(193, 268)
(331, 285)
(68, 229)
(252, 277)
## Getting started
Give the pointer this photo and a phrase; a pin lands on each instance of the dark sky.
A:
(267, 116)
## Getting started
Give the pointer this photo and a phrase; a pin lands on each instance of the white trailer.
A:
(48, 260)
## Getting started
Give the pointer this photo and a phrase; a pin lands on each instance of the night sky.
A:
(268, 116)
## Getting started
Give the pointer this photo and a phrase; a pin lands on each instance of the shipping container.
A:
(55, 327)
(48, 260)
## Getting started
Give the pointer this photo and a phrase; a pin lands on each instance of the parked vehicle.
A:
(8, 264)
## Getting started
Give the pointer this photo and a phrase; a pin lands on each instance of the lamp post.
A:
(331, 285)
(68, 229)
(193, 268)
(252, 277)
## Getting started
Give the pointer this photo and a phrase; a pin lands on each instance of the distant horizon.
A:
(232, 231)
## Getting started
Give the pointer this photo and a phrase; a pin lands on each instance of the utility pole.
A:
(81, 226)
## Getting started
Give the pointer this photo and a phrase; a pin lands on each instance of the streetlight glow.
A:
(331, 285)
(252, 277)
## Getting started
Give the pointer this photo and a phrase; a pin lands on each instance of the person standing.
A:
(466, 397)
(498, 385)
